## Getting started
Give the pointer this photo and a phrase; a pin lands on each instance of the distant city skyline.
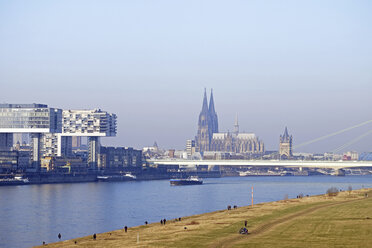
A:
(304, 65)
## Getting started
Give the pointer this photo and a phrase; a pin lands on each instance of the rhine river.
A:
(32, 214)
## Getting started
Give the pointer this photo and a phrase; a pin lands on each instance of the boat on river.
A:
(186, 181)
(116, 178)
(14, 181)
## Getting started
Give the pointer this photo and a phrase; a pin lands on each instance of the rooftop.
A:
(32, 105)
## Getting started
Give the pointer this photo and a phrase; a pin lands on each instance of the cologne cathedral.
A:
(209, 139)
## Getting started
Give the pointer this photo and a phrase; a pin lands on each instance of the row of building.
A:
(210, 143)
(51, 133)
(54, 138)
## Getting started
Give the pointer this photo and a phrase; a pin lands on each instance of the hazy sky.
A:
(304, 64)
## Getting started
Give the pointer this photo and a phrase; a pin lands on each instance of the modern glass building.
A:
(36, 119)
(52, 129)
(88, 123)
(30, 118)
(8, 161)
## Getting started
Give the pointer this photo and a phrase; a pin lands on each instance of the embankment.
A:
(344, 220)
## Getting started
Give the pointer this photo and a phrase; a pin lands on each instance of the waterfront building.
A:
(88, 123)
(208, 137)
(49, 144)
(52, 129)
(118, 158)
(190, 147)
(153, 151)
(63, 165)
(23, 161)
(6, 141)
(171, 153)
(56, 145)
(29, 118)
(82, 122)
(8, 161)
(13, 160)
(351, 155)
(286, 145)
(35, 119)
(24, 155)
(76, 142)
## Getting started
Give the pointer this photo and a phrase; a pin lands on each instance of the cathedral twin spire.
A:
(211, 104)
(205, 103)
(209, 111)
(213, 115)
(208, 123)
(208, 126)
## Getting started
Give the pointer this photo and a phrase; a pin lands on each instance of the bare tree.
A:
(332, 191)
(349, 189)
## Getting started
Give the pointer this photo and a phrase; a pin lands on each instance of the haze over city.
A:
(305, 65)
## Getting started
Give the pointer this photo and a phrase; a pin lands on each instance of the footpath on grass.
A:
(344, 220)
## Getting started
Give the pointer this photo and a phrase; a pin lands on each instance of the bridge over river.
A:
(316, 164)
(266, 163)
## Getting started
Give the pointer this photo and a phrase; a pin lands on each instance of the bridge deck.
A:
(267, 163)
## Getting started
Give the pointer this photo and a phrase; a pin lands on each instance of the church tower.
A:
(285, 145)
(213, 116)
(203, 136)
(236, 125)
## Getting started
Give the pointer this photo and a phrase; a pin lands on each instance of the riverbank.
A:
(138, 174)
(319, 221)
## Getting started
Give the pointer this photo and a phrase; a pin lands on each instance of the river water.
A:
(32, 214)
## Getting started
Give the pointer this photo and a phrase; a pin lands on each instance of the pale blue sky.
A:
(304, 64)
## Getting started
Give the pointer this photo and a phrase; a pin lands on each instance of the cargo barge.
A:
(187, 181)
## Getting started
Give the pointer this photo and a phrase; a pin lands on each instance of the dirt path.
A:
(231, 240)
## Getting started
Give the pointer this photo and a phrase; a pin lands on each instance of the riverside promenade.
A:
(344, 220)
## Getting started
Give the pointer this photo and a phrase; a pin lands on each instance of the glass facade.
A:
(30, 118)
(8, 160)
